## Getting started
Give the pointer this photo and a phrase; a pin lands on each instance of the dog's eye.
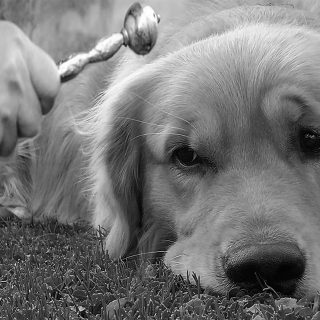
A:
(186, 157)
(310, 141)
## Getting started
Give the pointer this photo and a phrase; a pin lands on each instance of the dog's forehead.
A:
(231, 74)
(230, 87)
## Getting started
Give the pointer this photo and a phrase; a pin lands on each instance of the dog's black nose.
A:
(279, 265)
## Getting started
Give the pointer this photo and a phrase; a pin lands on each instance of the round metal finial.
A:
(140, 28)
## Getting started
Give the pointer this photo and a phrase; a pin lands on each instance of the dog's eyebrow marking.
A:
(166, 112)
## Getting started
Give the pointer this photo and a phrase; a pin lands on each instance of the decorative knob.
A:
(139, 33)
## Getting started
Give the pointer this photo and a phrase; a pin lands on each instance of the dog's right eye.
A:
(310, 142)
(186, 157)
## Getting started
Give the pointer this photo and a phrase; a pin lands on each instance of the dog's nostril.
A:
(281, 265)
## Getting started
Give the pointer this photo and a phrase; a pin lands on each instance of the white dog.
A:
(207, 149)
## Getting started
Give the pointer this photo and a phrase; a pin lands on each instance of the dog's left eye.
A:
(310, 141)
(186, 157)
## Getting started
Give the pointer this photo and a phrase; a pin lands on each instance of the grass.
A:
(50, 271)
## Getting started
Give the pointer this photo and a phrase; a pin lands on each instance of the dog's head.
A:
(213, 156)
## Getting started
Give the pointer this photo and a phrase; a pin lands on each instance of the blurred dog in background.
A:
(206, 150)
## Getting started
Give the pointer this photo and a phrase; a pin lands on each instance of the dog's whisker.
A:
(183, 268)
(158, 133)
(168, 241)
(166, 112)
(179, 256)
(177, 264)
(143, 99)
(144, 253)
(177, 117)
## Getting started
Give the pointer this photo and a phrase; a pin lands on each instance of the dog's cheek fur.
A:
(160, 207)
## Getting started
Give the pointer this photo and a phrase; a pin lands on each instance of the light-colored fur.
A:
(225, 78)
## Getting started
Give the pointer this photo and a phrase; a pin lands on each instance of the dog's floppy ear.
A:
(116, 160)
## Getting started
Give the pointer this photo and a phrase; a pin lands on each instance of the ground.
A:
(50, 271)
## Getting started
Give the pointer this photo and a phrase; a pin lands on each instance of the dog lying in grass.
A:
(205, 151)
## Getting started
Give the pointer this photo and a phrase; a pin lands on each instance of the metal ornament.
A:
(139, 33)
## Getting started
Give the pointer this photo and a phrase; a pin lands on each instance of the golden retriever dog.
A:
(207, 150)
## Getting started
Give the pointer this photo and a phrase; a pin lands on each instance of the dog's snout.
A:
(279, 265)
